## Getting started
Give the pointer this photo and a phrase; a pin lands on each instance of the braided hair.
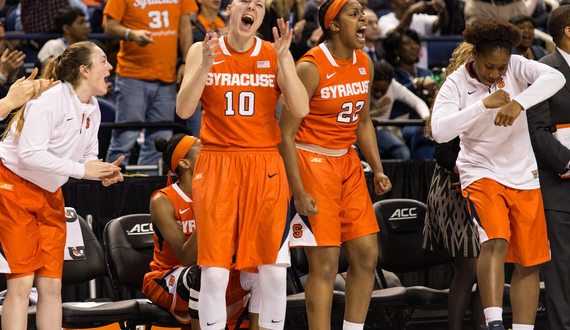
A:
(167, 148)
(321, 16)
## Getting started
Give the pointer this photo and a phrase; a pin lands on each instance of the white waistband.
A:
(321, 150)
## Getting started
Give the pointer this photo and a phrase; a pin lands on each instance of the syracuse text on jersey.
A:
(244, 79)
(144, 3)
(344, 90)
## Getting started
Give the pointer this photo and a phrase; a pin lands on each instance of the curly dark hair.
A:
(558, 20)
(491, 34)
(393, 41)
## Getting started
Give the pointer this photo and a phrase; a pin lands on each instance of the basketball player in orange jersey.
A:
(174, 279)
(240, 187)
(326, 176)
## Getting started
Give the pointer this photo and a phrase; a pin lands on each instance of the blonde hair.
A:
(65, 68)
(459, 56)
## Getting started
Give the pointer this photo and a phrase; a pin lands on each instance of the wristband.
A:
(3, 78)
(127, 35)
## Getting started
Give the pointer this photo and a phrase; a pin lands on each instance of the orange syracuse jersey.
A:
(155, 61)
(240, 97)
(164, 257)
(336, 104)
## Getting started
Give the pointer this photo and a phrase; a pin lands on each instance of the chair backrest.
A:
(129, 244)
(400, 240)
(93, 266)
(300, 264)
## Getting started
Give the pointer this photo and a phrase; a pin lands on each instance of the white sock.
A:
(523, 326)
(352, 326)
(493, 314)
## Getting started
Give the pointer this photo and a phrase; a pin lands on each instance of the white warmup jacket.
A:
(59, 136)
(503, 154)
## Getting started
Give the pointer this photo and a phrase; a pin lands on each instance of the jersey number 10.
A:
(246, 104)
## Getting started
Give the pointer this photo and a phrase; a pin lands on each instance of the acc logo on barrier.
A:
(141, 229)
(404, 214)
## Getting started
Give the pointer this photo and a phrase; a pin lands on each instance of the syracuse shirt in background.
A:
(154, 61)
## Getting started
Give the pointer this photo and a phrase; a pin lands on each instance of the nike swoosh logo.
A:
(68, 119)
(273, 321)
(209, 324)
(219, 62)
(271, 175)
(330, 75)
(469, 93)
(182, 212)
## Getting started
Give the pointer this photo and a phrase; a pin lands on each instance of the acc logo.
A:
(404, 214)
(77, 252)
(535, 174)
(199, 176)
(6, 186)
(316, 160)
(141, 229)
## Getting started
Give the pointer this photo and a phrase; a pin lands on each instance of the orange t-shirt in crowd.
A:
(336, 104)
(217, 25)
(154, 61)
(240, 97)
(164, 258)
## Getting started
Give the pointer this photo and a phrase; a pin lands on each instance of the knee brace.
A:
(212, 303)
(273, 283)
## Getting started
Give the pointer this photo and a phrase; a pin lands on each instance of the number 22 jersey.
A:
(335, 106)
(240, 97)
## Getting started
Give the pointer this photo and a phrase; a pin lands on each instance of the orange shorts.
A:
(511, 214)
(32, 228)
(241, 200)
(163, 288)
(339, 188)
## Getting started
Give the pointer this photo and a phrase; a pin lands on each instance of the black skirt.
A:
(448, 224)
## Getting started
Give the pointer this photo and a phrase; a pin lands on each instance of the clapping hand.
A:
(282, 43)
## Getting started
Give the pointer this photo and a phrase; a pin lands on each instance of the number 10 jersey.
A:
(240, 97)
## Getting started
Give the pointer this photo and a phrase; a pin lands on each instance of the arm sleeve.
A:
(545, 80)
(115, 9)
(189, 6)
(33, 151)
(404, 95)
(448, 119)
(445, 154)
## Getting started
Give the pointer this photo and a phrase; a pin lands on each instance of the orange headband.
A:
(333, 10)
(179, 152)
